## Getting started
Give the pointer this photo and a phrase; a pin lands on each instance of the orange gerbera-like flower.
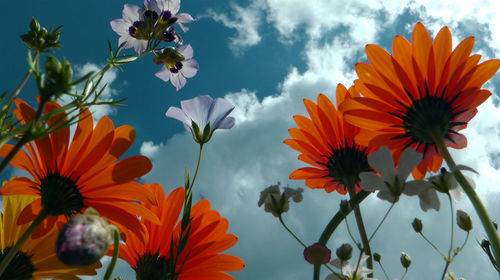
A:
(36, 258)
(68, 178)
(422, 91)
(326, 141)
(200, 259)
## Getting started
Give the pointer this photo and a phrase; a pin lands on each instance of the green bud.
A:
(52, 67)
(67, 72)
(463, 220)
(377, 257)
(344, 252)
(34, 25)
(417, 225)
(405, 260)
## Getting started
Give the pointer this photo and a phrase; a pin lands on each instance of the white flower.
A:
(177, 70)
(202, 116)
(444, 182)
(392, 183)
(357, 272)
(130, 28)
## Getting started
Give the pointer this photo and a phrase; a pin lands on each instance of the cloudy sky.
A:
(266, 56)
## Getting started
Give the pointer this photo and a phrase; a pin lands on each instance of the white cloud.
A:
(149, 149)
(246, 22)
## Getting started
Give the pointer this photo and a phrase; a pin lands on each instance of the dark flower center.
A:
(139, 30)
(60, 195)
(153, 266)
(426, 118)
(20, 268)
(345, 164)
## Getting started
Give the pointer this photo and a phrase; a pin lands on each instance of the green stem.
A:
(197, 168)
(289, 231)
(116, 251)
(433, 246)
(474, 198)
(381, 222)
(13, 251)
(361, 226)
(449, 259)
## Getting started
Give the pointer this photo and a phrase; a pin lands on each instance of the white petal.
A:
(178, 81)
(465, 167)
(186, 51)
(197, 109)
(189, 68)
(386, 195)
(131, 13)
(140, 45)
(219, 110)
(227, 123)
(178, 114)
(407, 162)
(163, 74)
(383, 163)
(429, 199)
(120, 26)
(416, 187)
(184, 18)
(371, 182)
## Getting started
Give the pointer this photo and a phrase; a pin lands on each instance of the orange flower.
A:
(326, 142)
(68, 178)
(422, 91)
(200, 259)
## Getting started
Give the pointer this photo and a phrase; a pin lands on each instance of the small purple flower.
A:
(178, 65)
(168, 15)
(202, 116)
(131, 28)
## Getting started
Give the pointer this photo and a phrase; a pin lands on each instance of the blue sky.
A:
(265, 56)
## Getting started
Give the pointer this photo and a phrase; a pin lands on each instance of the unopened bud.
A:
(317, 254)
(377, 257)
(463, 220)
(417, 225)
(344, 252)
(405, 260)
(84, 239)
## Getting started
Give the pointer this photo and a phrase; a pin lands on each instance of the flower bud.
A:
(317, 254)
(344, 252)
(84, 239)
(405, 260)
(463, 220)
(377, 257)
(417, 225)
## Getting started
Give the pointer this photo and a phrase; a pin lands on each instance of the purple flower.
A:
(202, 116)
(168, 14)
(178, 65)
(131, 28)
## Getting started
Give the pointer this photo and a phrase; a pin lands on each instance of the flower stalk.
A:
(350, 184)
(116, 251)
